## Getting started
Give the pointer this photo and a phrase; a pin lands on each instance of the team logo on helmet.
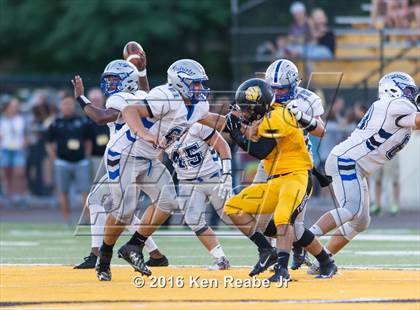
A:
(253, 93)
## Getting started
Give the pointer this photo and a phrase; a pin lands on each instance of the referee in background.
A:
(69, 145)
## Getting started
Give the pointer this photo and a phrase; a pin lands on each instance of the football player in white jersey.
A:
(383, 132)
(198, 168)
(162, 117)
(124, 74)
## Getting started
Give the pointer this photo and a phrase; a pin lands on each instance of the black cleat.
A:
(267, 258)
(158, 262)
(327, 271)
(280, 275)
(132, 254)
(103, 270)
(88, 263)
(300, 259)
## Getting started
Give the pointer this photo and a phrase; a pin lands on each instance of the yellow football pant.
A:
(285, 196)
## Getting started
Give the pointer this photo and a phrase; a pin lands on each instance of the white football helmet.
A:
(127, 77)
(396, 85)
(183, 73)
(283, 74)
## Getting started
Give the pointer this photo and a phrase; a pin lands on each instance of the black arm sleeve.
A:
(259, 149)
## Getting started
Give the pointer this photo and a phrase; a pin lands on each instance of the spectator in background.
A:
(36, 160)
(69, 146)
(12, 152)
(321, 34)
(299, 30)
(99, 136)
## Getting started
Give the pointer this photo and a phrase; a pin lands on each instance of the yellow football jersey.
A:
(290, 153)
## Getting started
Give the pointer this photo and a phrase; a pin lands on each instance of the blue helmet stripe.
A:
(276, 73)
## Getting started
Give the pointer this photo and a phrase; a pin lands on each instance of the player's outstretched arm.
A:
(98, 115)
(214, 120)
(220, 145)
(132, 115)
(259, 149)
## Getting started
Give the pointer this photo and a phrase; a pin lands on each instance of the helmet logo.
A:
(253, 93)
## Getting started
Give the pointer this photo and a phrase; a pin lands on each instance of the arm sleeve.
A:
(277, 124)
(259, 149)
(404, 113)
(116, 102)
(158, 102)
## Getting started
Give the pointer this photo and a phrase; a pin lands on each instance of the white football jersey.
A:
(118, 102)
(171, 119)
(377, 137)
(191, 156)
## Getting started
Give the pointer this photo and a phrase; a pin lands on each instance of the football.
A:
(134, 53)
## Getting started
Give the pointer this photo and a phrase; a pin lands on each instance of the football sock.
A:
(283, 258)
(323, 258)
(105, 248)
(260, 241)
(97, 224)
(137, 239)
(150, 245)
(217, 252)
(298, 250)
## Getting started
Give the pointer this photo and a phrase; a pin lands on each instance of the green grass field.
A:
(23, 243)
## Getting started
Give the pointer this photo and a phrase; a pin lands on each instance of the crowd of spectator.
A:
(401, 14)
(308, 37)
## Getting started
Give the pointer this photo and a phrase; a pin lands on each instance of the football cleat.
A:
(327, 271)
(267, 258)
(281, 274)
(221, 263)
(132, 254)
(158, 262)
(89, 262)
(103, 270)
(300, 259)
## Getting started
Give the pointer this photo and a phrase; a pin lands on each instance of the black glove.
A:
(233, 125)
(324, 180)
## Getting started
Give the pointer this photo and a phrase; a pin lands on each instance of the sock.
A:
(150, 245)
(132, 228)
(137, 239)
(105, 248)
(316, 230)
(323, 258)
(260, 241)
(217, 252)
(283, 258)
(97, 224)
(297, 249)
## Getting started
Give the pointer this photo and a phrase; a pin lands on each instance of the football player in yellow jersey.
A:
(279, 141)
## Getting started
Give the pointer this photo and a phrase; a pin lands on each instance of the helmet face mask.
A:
(254, 98)
(119, 76)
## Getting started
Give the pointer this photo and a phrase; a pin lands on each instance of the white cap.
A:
(297, 7)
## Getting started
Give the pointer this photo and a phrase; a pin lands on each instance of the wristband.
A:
(83, 101)
(143, 73)
(226, 166)
(308, 122)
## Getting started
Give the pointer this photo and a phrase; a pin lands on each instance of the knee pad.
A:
(201, 230)
(341, 216)
(168, 206)
(271, 230)
(306, 238)
(299, 229)
(360, 224)
(348, 232)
